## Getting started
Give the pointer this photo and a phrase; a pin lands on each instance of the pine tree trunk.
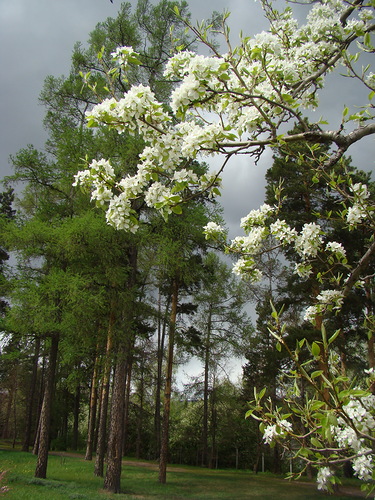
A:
(11, 402)
(104, 396)
(129, 368)
(92, 410)
(205, 390)
(77, 401)
(168, 387)
(138, 444)
(45, 417)
(112, 480)
(40, 404)
(31, 397)
(161, 343)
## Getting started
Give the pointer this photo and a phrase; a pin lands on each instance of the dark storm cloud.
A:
(36, 40)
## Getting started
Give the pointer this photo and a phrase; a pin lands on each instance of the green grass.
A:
(71, 478)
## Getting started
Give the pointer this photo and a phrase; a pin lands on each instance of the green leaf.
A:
(315, 349)
(315, 442)
(177, 209)
(334, 337)
(278, 346)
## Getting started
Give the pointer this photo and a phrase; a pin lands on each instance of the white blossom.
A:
(245, 268)
(336, 248)
(323, 477)
(334, 298)
(283, 232)
(355, 215)
(363, 466)
(277, 430)
(309, 241)
(303, 270)
(212, 230)
(256, 217)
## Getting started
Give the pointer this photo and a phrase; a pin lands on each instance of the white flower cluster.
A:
(123, 55)
(358, 211)
(327, 300)
(246, 268)
(257, 217)
(213, 230)
(309, 241)
(277, 430)
(360, 411)
(98, 179)
(323, 477)
(138, 110)
(200, 77)
(283, 232)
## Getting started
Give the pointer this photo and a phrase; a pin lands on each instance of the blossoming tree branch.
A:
(242, 102)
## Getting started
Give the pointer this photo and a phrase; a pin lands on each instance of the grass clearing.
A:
(71, 477)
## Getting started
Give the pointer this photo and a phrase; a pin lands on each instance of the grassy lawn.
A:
(73, 478)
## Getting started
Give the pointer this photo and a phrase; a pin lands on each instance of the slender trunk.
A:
(40, 404)
(45, 417)
(14, 420)
(205, 390)
(112, 480)
(168, 387)
(161, 343)
(104, 395)
(77, 401)
(11, 401)
(138, 444)
(214, 452)
(92, 410)
(129, 368)
(31, 397)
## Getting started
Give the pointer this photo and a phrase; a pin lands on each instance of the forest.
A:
(116, 268)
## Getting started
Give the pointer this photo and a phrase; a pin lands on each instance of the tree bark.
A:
(92, 410)
(45, 417)
(139, 443)
(168, 386)
(112, 480)
(11, 400)
(104, 396)
(159, 376)
(205, 389)
(40, 404)
(77, 402)
(129, 368)
(31, 397)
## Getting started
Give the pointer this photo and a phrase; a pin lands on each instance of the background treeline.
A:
(95, 322)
